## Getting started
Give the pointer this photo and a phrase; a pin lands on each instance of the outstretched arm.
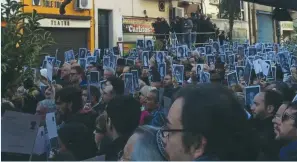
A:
(63, 5)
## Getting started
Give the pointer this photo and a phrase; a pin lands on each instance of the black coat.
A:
(268, 146)
(113, 149)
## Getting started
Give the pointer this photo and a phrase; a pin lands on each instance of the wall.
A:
(51, 7)
(121, 8)
(239, 27)
(54, 8)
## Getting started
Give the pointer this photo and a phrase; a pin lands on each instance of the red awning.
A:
(286, 4)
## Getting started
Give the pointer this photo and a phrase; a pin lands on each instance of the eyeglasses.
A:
(165, 131)
(287, 116)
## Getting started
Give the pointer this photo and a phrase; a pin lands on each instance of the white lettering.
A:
(139, 29)
(130, 28)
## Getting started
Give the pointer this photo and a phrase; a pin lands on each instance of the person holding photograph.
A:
(149, 44)
(180, 52)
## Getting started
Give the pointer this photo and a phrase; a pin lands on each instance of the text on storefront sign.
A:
(287, 25)
(48, 3)
(57, 23)
(51, 4)
(138, 25)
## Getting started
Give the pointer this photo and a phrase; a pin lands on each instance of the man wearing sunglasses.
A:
(287, 131)
(202, 123)
(264, 107)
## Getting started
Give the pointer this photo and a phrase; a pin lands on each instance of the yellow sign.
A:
(51, 4)
(287, 25)
(52, 7)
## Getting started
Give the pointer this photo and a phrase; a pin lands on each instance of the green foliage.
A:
(230, 9)
(158, 45)
(291, 45)
(21, 40)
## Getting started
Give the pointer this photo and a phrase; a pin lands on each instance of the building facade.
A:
(263, 27)
(73, 30)
(126, 20)
(210, 8)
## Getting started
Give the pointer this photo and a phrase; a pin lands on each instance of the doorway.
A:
(103, 29)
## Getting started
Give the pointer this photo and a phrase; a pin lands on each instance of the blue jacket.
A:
(289, 152)
(83, 83)
(157, 118)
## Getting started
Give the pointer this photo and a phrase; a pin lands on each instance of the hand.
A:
(53, 90)
(87, 107)
(212, 67)
(174, 82)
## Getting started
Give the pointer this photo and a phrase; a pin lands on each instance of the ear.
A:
(199, 151)
(270, 109)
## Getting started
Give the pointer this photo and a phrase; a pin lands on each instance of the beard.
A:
(64, 116)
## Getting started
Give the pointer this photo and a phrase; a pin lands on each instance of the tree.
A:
(22, 40)
(230, 9)
(291, 44)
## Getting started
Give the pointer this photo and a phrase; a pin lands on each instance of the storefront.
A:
(114, 16)
(73, 30)
(265, 26)
(240, 29)
(287, 30)
(136, 28)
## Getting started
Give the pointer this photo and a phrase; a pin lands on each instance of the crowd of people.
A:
(163, 119)
(187, 28)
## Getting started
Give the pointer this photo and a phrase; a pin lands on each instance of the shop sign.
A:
(287, 25)
(60, 23)
(138, 25)
(64, 23)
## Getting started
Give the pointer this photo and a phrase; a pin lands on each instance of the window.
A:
(242, 14)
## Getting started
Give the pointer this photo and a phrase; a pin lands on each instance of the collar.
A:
(95, 105)
(206, 158)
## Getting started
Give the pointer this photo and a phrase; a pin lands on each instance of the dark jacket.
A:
(88, 119)
(170, 91)
(99, 108)
(268, 146)
(207, 158)
(188, 25)
(31, 100)
(114, 149)
(64, 82)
